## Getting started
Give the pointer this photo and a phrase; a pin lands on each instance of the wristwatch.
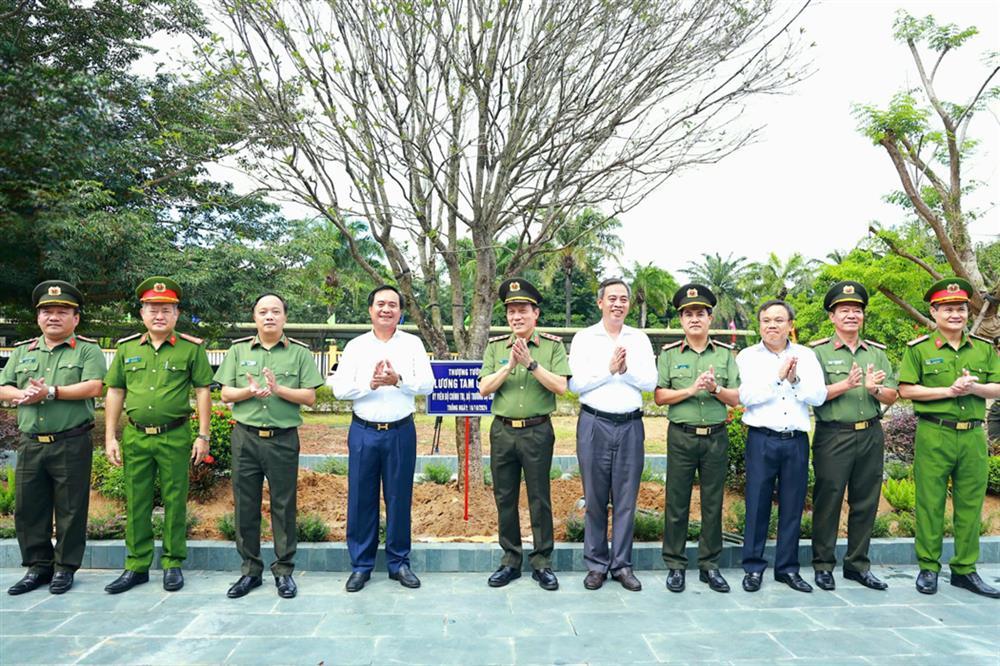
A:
(207, 438)
(52, 394)
(399, 381)
(532, 366)
(718, 389)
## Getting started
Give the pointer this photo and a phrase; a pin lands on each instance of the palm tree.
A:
(652, 287)
(776, 279)
(580, 244)
(725, 277)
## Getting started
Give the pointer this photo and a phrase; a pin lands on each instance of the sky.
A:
(812, 183)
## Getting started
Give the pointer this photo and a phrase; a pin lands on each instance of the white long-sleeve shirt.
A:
(385, 404)
(589, 357)
(773, 403)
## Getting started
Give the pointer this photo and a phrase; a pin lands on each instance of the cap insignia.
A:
(55, 291)
(159, 287)
(691, 293)
(849, 289)
(952, 288)
(515, 286)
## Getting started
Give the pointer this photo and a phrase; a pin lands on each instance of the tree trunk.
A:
(568, 295)
(642, 315)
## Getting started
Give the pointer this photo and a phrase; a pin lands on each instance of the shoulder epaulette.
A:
(24, 342)
(127, 338)
(91, 340)
(238, 340)
(671, 345)
(722, 344)
(550, 336)
(299, 342)
(875, 344)
(817, 343)
(917, 341)
(190, 338)
(498, 338)
(979, 337)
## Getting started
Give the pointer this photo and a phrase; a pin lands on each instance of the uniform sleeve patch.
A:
(191, 338)
(917, 341)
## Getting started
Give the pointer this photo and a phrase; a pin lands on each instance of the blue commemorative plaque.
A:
(456, 390)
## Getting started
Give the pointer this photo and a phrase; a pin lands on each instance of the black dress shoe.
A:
(242, 587)
(973, 583)
(675, 580)
(287, 589)
(794, 581)
(714, 579)
(752, 581)
(127, 581)
(594, 580)
(31, 581)
(405, 577)
(62, 581)
(503, 575)
(927, 581)
(357, 580)
(824, 580)
(867, 579)
(627, 578)
(173, 579)
(546, 579)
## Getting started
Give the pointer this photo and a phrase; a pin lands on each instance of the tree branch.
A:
(907, 308)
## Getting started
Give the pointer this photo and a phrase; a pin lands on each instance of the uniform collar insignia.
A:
(172, 340)
(144, 339)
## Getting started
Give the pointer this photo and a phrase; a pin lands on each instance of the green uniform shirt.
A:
(521, 396)
(930, 361)
(679, 366)
(836, 359)
(158, 381)
(293, 366)
(72, 361)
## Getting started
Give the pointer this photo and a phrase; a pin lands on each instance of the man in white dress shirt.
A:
(381, 371)
(780, 380)
(612, 365)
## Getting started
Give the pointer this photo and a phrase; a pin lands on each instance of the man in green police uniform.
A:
(848, 444)
(949, 375)
(698, 378)
(526, 370)
(153, 372)
(53, 380)
(267, 376)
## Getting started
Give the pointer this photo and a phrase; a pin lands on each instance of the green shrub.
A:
(574, 473)
(106, 526)
(906, 524)
(487, 477)
(735, 520)
(555, 473)
(574, 529)
(897, 470)
(652, 476)
(900, 493)
(226, 524)
(772, 524)
(311, 528)
(806, 526)
(99, 468)
(993, 485)
(7, 528)
(7, 494)
(648, 525)
(220, 448)
(191, 521)
(736, 477)
(112, 484)
(334, 466)
(694, 530)
(438, 473)
(986, 524)
(882, 526)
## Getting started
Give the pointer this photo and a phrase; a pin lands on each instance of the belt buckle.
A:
(702, 431)
(381, 426)
(861, 425)
(151, 430)
(46, 439)
(963, 425)
(517, 423)
(265, 433)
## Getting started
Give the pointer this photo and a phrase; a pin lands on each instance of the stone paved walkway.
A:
(457, 619)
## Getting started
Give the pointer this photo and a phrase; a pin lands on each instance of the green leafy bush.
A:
(555, 473)
(112, 484)
(487, 477)
(7, 494)
(650, 475)
(897, 470)
(220, 448)
(806, 526)
(648, 525)
(906, 524)
(900, 493)
(226, 524)
(694, 530)
(106, 526)
(438, 473)
(882, 527)
(191, 521)
(310, 528)
(334, 466)
(735, 519)
(736, 477)
(7, 528)
(574, 529)
(993, 485)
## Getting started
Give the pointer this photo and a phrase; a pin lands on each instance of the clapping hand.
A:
(384, 375)
(256, 390)
(854, 378)
(963, 385)
(788, 370)
(35, 392)
(706, 380)
(618, 361)
(520, 353)
(874, 379)
(272, 381)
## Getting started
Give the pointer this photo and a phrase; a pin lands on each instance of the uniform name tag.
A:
(27, 359)
(681, 366)
(836, 362)
(247, 363)
(133, 359)
(503, 361)
(934, 361)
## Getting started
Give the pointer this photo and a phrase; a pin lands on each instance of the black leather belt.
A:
(778, 434)
(265, 433)
(49, 437)
(955, 425)
(701, 431)
(847, 425)
(611, 416)
(159, 429)
(382, 426)
(523, 423)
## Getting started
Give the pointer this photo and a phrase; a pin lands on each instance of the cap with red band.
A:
(159, 289)
(949, 290)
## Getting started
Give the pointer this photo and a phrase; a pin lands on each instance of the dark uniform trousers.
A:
(708, 455)
(512, 450)
(275, 458)
(389, 455)
(52, 476)
(770, 457)
(851, 461)
(611, 457)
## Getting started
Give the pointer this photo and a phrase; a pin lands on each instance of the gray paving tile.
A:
(381, 624)
(311, 650)
(743, 620)
(208, 625)
(844, 643)
(52, 650)
(935, 660)
(590, 623)
(30, 623)
(862, 617)
(964, 615)
(442, 651)
(779, 595)
(694, 647)
(261, 600)
(949, 641)
(160, 651)
(128, 602)
(421, 601)
(122, 624)
(581, 649)
(659, 599)
(819, 661)
(493, 625)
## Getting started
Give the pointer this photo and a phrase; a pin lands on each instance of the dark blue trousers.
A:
(770, 458)
(386, 458)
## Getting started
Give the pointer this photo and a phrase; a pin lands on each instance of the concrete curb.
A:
(475, 557)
